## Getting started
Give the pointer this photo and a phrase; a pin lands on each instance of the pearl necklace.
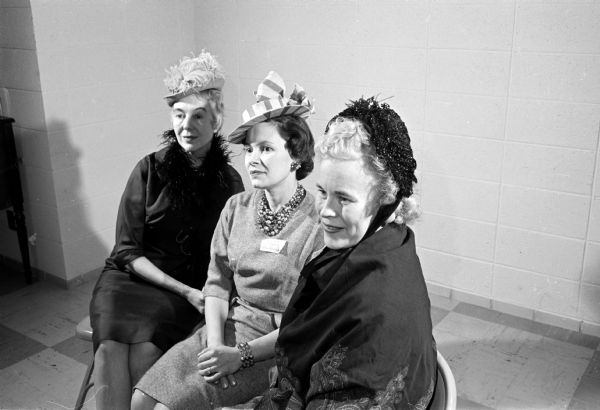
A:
(271, 223)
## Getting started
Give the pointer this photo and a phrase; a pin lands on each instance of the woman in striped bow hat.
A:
(263, 239)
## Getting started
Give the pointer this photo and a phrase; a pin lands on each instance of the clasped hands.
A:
(217, 364)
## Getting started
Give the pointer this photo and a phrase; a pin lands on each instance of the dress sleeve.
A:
(219, 282)
(131, 218)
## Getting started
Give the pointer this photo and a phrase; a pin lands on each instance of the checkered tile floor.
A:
(499, 361)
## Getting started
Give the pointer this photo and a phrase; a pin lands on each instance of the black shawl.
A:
(357, 331)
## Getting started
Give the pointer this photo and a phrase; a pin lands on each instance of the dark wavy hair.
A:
(299, 142)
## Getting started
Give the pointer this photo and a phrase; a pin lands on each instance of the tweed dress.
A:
(258, 285)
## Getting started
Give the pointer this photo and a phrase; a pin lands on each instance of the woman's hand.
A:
(196, 298)
(218, 363)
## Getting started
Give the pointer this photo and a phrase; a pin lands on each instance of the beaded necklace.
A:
(271, 223)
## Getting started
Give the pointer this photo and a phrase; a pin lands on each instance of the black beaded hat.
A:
(389, 136)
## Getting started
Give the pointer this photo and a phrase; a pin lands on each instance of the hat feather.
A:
(193, 72)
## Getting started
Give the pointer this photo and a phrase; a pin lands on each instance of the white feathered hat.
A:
(192, 75)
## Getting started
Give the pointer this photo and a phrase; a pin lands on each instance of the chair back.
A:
(84, 329)
(444, 397)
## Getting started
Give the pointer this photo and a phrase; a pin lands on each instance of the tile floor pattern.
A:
(499, 361)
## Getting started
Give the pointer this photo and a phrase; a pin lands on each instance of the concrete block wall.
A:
(101, 69)
(502, 100)
(97, 109)
(22, 99)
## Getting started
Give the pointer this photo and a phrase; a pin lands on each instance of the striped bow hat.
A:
(270, 103)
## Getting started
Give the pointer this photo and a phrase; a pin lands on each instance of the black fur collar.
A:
(188, 185)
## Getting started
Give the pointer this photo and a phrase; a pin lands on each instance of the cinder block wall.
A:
(22, 99)
(502, 100)
(101, 70)
(84, 80)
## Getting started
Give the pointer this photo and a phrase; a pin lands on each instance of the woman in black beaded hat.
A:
(261, 243)
(357, 331)
(148, 296)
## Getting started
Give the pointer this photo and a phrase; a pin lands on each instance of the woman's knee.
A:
(109, 351)
(144, 349)
(141, 357)
(141, 401)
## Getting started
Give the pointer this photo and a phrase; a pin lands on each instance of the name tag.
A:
(272, 245)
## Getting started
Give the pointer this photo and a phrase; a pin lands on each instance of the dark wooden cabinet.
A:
(11, 193)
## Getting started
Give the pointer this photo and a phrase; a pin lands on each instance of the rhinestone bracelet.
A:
(247, 357)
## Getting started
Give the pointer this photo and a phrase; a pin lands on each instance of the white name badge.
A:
(272, 245)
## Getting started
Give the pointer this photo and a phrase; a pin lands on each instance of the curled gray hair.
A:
(215, 101)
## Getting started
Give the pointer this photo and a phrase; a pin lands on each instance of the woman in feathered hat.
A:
(357, 330)
(261, 242)
(148, 296)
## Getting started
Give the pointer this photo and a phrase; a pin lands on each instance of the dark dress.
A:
(157, 220)
(357, 333)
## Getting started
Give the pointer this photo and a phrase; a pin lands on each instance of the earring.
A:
(294, 166)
